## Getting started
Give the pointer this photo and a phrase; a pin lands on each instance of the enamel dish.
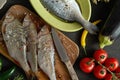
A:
(54, 21)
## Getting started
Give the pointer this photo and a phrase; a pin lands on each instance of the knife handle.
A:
(71, 70)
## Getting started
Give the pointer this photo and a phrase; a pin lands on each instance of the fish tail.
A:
(93, 29)
(90, 27)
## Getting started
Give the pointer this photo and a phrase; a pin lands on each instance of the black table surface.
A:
(99, 11)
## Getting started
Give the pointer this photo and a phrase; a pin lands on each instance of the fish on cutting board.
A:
(31, 37)
(14, 37)
(21, 41)
(20, 18)
(69, 10)
(46, 52)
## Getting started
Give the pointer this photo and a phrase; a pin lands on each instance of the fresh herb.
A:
(2, 3)
(5, 75)
(19, 77)
(0, 63)
(96, 1)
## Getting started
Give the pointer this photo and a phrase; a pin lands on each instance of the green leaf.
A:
(0, 63)
(19, 77)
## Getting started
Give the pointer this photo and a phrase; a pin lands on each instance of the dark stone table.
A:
(99, 11)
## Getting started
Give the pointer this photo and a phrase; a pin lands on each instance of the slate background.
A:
(99, 11)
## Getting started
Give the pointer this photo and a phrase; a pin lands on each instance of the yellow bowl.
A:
(85, 7)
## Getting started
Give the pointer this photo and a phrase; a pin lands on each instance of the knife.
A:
(63, 55)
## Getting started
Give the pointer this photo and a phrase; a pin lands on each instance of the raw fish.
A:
(69, 10)
(46, 53)
(31, 37)
(15, 40)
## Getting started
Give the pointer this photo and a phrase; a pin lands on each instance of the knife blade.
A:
(63, 55)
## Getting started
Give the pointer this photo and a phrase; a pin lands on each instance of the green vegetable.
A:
(0, 63)
(5, 75)
(19, 77)
(104, 41)
(96, 1)
(111, 29)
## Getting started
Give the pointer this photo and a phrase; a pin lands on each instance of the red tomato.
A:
(112, 64)
(108, 77)
(99, 72)
(100, 55)
(117, 70)
(87, 65)
(117, 75)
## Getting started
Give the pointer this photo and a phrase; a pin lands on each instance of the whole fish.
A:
(69, 10)
(46, 53)
(31, 37)
(15, 40)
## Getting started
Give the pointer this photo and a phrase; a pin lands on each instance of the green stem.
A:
(85, 51)
(90, 61)
(5, 75)
(114, 76)
(0, 63)
(19, 77)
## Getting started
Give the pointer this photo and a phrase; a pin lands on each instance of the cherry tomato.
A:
(87, 65)
(100, 55)
(99, 72)
(111, 63)
(117, 75)
(117, 70)
(108, 77)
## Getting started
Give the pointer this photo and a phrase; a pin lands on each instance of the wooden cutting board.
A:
(71, 48)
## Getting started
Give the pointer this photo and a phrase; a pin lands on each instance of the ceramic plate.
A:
(57, 23)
